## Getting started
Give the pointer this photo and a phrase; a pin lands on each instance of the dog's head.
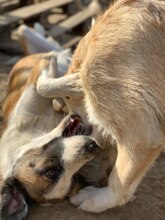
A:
(45, 172)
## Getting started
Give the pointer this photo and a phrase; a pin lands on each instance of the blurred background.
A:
(32, 26)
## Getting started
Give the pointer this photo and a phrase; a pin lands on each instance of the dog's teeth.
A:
(72, 120)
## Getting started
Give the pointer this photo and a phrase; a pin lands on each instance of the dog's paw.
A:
(91, 199)
(83, 194)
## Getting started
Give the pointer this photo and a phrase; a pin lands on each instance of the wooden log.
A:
(3, 1)
(29, 11)
(76, 19)
(72, 42)
(10, 47)
(9, 5)
(25, 2)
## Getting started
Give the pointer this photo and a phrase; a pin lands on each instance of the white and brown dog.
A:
(39, 152)
(121, 64)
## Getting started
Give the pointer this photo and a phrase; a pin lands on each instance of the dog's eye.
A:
(53, 173)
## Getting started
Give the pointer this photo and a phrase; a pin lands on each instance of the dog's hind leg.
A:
(123, 181)
(49, 86)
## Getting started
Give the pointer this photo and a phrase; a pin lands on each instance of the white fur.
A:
(28, 131)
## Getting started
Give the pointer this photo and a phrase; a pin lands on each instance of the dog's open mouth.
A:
(75, 126)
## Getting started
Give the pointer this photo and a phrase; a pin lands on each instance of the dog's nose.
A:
(91, 147)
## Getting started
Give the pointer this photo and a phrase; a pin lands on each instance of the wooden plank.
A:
(53, 19)
(72, 42)
(10, 47)
(25, 2)
(75, 20)
(30, 11)
(3, 1)
(9, 5)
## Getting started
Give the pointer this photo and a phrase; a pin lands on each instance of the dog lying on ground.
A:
(39, 152)
(121, 65)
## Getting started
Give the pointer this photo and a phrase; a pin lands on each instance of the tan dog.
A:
(121, 63)
(38, 156)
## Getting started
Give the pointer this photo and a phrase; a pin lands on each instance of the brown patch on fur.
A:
(9, 104)
(25, 72)
(43, 62)
(35, 184)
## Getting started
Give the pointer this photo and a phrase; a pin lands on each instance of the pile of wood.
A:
(65, 20)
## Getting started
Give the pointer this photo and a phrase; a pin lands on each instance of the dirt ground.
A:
(150, 196)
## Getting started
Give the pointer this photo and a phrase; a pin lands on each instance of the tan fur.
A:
(123, 76)
(34, 185)
(121, 65)
(26, 71)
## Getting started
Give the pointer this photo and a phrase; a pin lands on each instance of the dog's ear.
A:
(13, 200)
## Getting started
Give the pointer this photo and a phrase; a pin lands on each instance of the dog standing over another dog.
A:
(121, 65)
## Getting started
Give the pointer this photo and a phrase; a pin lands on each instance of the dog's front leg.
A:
(49, 86)
(123, 181)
